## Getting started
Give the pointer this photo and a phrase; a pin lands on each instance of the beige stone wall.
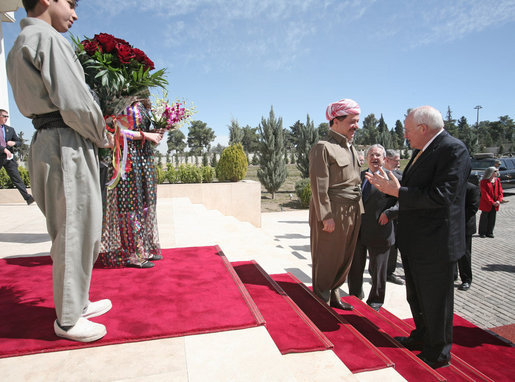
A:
(239, 199)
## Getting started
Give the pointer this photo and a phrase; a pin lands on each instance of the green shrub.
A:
(171, 174)
(303, 191)
(208, 174)
(161, 174)
(24, 174)
(189, 174)
(5, 181)
(233, 164)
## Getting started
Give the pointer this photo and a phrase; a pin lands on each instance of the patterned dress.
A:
(129, 232)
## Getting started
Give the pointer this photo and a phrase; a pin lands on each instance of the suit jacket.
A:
(472, 198)
(371, 233)
(10, 135)
(432, 201)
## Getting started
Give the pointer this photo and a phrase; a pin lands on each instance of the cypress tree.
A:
(307, 137)
(272, 170)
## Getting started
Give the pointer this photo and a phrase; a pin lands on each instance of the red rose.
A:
(91, 46)
(148, 64)
(125, 53)
(140, 55)
(107, 41)
(121, 41)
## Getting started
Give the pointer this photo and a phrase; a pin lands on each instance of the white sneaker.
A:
(97, 308)
(82, 331)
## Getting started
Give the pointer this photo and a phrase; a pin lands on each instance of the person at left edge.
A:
(9, 139)
(48, 85)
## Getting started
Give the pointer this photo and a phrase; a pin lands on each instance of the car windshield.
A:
(482, 164)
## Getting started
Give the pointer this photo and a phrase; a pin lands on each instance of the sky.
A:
(235, 59)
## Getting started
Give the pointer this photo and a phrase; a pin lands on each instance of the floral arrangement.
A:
(118, 73)
(167, 116)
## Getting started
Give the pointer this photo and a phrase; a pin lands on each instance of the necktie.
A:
(2, 137)
(365, 189)
(415, 159)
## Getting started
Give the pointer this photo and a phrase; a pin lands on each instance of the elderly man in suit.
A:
(9, 139)
(376, 235)
(431, 224)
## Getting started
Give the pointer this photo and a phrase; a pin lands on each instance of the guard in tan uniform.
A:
(335, 209)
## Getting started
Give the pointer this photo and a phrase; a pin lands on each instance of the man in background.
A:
(393, 164)
(376, 236)
(8, 140)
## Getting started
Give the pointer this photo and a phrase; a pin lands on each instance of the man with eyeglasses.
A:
(9, 139)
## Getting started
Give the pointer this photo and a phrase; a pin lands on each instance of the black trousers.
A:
(392, 260)
(12, 170)
(430, 294)
(487, 222)
(378, 260)
(465, 262)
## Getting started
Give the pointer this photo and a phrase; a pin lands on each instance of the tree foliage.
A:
(200, 137)
(307, 136)
(236, 133)
(272, 169)
(175, 141)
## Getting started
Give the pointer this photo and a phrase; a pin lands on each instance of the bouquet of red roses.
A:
(117, 72)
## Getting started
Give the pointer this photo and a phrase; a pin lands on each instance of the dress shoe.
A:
(341, 305)
(82, 331)
(375, 305)
(464, 286)
(395, 279)
(30, 200)
(410, 343)
(145, 264)
(156, 257)
(434, 364)
(490, 235)
(482, 236)
(97, 308)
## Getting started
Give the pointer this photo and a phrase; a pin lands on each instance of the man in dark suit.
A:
(431, 224)
(375, 235)
(472, 199)
(9, 139)
(392, 163)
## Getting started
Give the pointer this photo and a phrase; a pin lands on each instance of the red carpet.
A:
(190, 291)
(406, 363)
(291, 330)
(350, 346)
(487, 353)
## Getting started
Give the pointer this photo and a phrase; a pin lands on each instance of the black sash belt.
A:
(48, 121)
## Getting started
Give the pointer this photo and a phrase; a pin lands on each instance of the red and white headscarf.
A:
(341, 108)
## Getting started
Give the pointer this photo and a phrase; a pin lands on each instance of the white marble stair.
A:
(194, 225)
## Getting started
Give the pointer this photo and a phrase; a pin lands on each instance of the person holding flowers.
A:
(120, 76)
(48, 85)
(130, 235)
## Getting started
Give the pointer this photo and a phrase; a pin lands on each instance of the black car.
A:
(506, 170)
